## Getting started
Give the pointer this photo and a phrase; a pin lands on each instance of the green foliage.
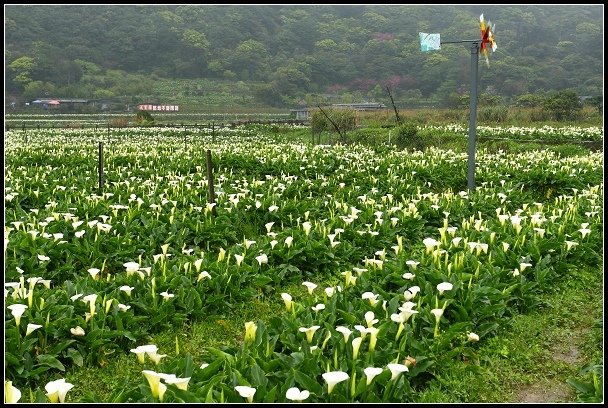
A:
(34, 89)
(89, 68)
(318, 122)
(485, 100)
(22, 68)
(195, 39)
(539, 114)
(494, 114)
(541, 183)
(407, 136)
(344, 119)
(302, 50)
(103, 94)
(489, 100)
(562, 105)
(269, 94)
(591, 389)
(530, 100)
(597, 102)
(144, 118)
(569, 150)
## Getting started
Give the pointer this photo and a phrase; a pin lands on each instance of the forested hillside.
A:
(284, 55)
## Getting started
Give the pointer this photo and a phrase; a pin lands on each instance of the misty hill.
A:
(282, 55)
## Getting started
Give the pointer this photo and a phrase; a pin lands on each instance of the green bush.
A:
(529, 100)
(344, 119)
(493, 114)
(597, 102)
(144, 118)
(318, 122)
(408, 137)
(456, 114)
(563, 105)
(539, 115)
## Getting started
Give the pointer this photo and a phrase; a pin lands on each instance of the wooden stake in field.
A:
(210, 182)
(340, 131)
(100, 163)
(394, 107)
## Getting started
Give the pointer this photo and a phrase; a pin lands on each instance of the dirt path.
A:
(555, 390)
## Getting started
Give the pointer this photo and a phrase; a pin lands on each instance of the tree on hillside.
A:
(250, 59)
(563, 105)
(530, 100)
(22, 70)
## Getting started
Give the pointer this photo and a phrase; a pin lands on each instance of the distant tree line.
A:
(287, 55)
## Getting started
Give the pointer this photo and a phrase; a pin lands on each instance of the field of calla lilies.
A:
(424, 270)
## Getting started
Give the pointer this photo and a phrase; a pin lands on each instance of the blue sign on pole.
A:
(429, 42)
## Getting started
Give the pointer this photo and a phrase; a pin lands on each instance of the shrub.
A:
(539, 115)
(493, 114)
(529, 100)
(456, 114)
(144, 118)
(407, 136)
(119, 122)
(597, 102)
(563, 105)
(318, 122)
(344, 119)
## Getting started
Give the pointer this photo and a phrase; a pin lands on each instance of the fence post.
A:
(210, 182)
(100, 157)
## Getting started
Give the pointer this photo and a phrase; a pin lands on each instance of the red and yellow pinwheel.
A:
(487, 38)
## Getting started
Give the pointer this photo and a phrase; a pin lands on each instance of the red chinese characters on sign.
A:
(165, 108)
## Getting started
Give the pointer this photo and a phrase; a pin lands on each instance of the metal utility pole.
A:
(473, 115)
(475, 45)
(432, 42)
(100, 167)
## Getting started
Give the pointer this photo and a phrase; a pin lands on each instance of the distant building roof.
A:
(361, 106)
(47, 100)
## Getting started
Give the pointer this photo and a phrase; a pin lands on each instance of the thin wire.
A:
(458, 42)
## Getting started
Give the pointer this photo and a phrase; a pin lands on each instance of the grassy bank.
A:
(533, 357)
